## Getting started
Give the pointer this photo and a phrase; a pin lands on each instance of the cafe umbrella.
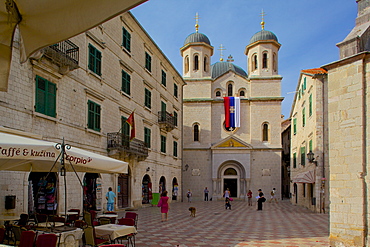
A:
(18, 153)
(45, 22)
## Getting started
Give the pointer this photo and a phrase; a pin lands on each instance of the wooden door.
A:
(122, 191)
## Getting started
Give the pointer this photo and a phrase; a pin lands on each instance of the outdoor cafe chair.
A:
(91, 239)
(127, 222)
(49, 240)
(2, 235)
(89, 218)
(80, 224)
(73, 217)
(105, 221)
(27, 239)
(133, 216)
(17, 233)
(41, 218)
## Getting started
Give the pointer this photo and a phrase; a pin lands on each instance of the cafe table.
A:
(114, 231)
(50, 224)
(9, 219)
(107, 216)
(68, 213)
(67, 238)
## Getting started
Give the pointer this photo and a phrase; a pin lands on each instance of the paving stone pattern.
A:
(279, 224)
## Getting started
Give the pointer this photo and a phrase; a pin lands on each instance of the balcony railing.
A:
(166, 120)
(120, 142)
(64, 54)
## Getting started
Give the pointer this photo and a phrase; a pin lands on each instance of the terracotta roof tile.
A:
(316, 71)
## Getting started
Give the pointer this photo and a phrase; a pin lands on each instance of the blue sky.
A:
(308, 30)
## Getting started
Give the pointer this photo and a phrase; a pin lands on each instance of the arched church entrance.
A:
(230, 180)
(162, 185)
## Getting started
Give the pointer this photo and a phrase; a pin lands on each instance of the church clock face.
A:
(229, 129)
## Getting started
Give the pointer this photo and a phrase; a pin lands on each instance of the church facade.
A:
(243, 157)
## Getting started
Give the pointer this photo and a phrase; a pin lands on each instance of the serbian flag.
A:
(131, 122)
(232, 112)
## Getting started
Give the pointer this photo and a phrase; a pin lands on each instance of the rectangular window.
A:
(175, 118)
(294, 160)
(164, 82)
(310, 106)
(148, 98)
(126, 79)
(304, 117)
(93, 121)
(294, 126)
(148, 62)
(94, 60)
(175, 148)
(126, 39)
(163, 144)
(310, 146)
(303, 156)
(46, 97)
(175, 90)
(304, 83)
(299, 94)
(147, 136)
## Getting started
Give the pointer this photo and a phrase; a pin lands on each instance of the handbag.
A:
(231, 199)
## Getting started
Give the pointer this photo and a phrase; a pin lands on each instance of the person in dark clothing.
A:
(227, 203)
(261, 199)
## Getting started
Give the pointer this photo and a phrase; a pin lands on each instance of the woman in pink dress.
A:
(164, 205)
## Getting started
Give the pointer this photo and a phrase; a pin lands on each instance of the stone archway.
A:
(231, 175)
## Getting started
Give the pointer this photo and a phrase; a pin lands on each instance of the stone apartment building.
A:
(348, 120)
(217, 156)
(83, 90)
(309, 135)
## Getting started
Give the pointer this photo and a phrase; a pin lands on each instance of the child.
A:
(227, 203)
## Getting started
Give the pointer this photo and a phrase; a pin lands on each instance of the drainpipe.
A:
(364, 152)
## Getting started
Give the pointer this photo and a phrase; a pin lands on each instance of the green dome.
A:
(220, 68)
(263, 35)
(196, 38)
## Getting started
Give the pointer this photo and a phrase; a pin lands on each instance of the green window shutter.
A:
(175, 90)
(310, 146)
(126, 41)
(94, 60)
(147, 137)
(175, 116)
(163, 111)
(126, 79)
(163, 144)
(310, 106)
(304, 117)
(294, 160)
(148, 62)
(304, 83)
(164, 78)
(303, 156)
(148, 98)
(45, 100)
(294, 126)
(93, 117)
(175, 148)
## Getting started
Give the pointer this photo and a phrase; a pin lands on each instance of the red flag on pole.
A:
(131, 122)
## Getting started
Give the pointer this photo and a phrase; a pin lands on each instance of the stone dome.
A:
(196, 38)
(220, 68)
(263, 35)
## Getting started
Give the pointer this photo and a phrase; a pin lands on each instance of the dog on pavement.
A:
(192, 210)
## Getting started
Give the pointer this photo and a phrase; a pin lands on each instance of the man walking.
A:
(111, 199)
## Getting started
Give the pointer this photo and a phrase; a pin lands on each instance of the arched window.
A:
(265, 132)
(254, 62)
(264, 61)
(218, 94)
(196, 62)
(242, 93)
(230, 90)
(186, 64)
(196, 133)
(230, 171)
(205, 64)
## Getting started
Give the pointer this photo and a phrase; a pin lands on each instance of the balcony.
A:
(166, 120)
(118, 142)
(64, 54)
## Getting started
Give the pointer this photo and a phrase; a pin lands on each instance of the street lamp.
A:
(311, 158)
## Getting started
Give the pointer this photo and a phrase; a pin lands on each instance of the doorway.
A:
(175, 189)
(295, 192)
(146, 190)
(232, 185)
(89, 189)
(162, 185)
(123, 191)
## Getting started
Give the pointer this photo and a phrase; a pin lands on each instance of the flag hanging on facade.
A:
(131, 122)
(232, 112)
